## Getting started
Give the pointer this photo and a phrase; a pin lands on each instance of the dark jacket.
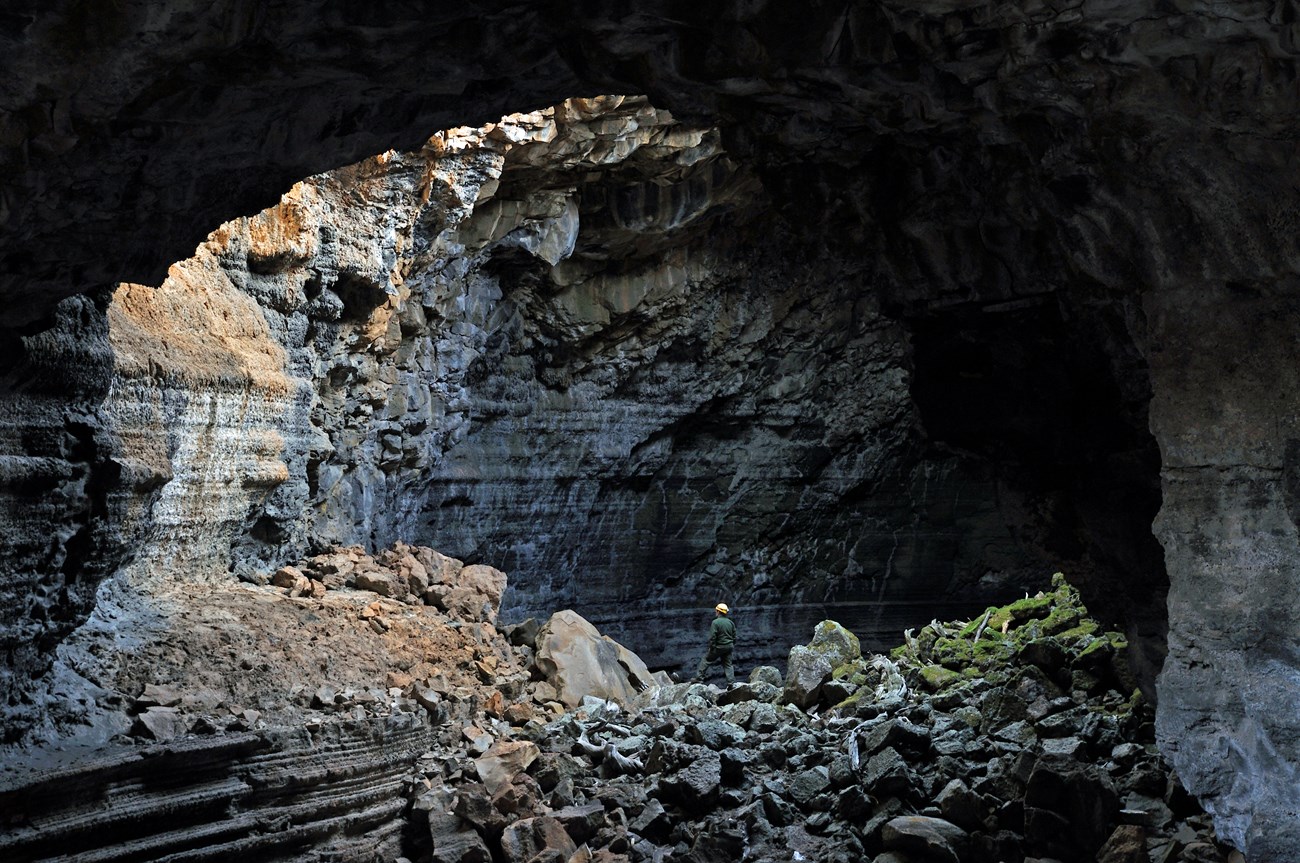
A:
(722, 632)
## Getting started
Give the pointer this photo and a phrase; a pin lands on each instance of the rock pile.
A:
(1013, 737)
(1018, 736)
(410, 574)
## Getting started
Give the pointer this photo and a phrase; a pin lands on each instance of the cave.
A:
(875, 313)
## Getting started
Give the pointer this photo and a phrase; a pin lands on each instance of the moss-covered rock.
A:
(851, 672)
(836, 643)
(986, 653)
(954, 653)
(937, 678)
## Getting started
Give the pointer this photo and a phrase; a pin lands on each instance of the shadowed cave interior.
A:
(880, 312)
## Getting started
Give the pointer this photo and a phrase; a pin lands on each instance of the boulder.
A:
(438, 567)
(530, 838)
(806, 785)
(286, 576)
(1128, 844)
(836, 643)
(159, 695)
(960, 805)
(505, 760)
(887, 773)
(931, 839)
(473, 804)
(899, 733)
(806, 671)
(581, 822)
(696, 786)
(716, 734)
(453, 840)
(382, 582)
(476, 595)
(578, 661)
(160, 723)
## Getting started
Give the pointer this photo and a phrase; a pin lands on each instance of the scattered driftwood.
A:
(608, 752)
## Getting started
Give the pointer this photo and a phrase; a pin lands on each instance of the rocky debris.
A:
(579, 662)
(1022, 759)
(1029, 753)
(410, 574)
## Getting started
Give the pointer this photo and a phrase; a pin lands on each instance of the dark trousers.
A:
(717, 654)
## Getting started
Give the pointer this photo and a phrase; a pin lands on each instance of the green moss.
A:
(1085, 629)
(952, 652)
(1099, 649)
(851, 703)
(985, 652)
(996, 618)
(937, 677)
(925, 640)
(996, 677)
(1030, 608)
(848, 670)
(1061, 619)
(1051, 630)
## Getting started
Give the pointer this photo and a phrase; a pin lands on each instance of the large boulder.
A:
(836, 643)
(806, 671)
(925, 838)
(578, 661)
(542, 837)
(477, 594)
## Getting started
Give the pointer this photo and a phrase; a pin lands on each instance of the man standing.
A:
(722, 640)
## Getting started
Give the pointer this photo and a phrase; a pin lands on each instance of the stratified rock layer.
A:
(552, 344)
(1045, 195)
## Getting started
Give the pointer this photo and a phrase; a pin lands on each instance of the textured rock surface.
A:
(544, 343)
(1041, 200)
(579, 662)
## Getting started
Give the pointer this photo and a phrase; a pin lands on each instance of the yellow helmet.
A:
(721, 608)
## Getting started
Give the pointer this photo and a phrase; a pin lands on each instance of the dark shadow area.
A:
(1039, 395)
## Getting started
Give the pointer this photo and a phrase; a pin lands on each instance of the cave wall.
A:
(554, 345)
(1134, 159)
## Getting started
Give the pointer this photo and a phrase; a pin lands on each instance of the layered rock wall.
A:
(1110, 162)
(336, 789)
(551, 344)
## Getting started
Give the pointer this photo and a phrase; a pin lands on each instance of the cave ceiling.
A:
(1059, 242)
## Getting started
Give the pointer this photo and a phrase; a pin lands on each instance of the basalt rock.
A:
(1053, 249)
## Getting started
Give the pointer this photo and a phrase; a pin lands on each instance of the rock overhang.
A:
(1120, 152)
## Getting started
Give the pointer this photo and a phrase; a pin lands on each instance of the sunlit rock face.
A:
(558, 344)
(1095, 200)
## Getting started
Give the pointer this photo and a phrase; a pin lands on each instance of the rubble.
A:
(1018, 736)
(1033, 749)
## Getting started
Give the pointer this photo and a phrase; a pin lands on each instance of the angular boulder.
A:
(505, 760)
(477, 594)
(578, 661)
(836, 643)
(925, 838)
(806, 671)
(530, 838)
